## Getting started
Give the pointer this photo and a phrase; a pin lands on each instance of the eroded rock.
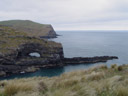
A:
(15, 52)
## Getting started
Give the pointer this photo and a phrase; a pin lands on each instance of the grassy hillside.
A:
(11, 39)
(16, 47)
(31, 28)
(97, 81)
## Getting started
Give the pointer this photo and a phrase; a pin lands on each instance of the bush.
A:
(103, 67)
(113, 66)
(120, 68)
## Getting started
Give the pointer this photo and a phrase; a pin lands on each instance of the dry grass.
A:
(95, 76)
(14, 88)
(97, 81)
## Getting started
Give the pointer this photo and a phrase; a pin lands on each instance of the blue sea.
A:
(87, 44)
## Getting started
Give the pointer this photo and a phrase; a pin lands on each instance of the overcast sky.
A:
(69, 14)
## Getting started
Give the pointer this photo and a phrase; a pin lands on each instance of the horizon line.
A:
(94, 30)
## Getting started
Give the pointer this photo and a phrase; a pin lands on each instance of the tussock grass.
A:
(122, 91)
(42, 87)
(95, 76)
(96, 81)
(14, 88)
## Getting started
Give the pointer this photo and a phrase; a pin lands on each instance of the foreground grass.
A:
(97, 81)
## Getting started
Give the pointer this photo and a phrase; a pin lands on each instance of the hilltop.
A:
(97, 81)
(31, 28)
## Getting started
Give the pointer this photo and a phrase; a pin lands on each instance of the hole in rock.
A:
(34, 54)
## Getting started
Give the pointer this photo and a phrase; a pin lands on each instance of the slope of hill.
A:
(33, 29)
(98, 81)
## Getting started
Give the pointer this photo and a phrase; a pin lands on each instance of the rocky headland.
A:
(31, 28)
(17, 46)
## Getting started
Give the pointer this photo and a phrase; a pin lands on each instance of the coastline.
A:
(112, 80)
(57, 63)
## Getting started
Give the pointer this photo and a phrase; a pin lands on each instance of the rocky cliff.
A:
(16, 47)
(21, 53)
(31, 28)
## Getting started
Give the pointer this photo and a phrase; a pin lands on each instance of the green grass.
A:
(11, 39)
(96, 81)
(29, 27)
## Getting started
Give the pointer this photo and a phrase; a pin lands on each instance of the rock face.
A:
(20, 60)
(32, 29)
(87, 60)
(16, 47)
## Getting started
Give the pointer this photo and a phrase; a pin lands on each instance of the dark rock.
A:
(15, 49)
(87, 60)
(19, 60)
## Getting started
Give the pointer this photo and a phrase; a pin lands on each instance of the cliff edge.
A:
(21, 53)
(17, 51)
(31, 28)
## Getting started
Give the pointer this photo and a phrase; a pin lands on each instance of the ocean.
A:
(86, 44)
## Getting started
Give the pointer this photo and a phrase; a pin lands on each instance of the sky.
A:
(69, 14)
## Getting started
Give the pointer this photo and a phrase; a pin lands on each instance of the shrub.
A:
(3, 83)
(120, 68)
(103, 67)
(113, 66)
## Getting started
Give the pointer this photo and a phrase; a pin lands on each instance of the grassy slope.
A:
(10, 39)
(98, 81)
(29, 27)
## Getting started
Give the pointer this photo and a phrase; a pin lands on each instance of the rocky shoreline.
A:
(88, 60)
(16, 47)
(35, 65)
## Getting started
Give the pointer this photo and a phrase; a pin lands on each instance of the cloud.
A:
(69, 14)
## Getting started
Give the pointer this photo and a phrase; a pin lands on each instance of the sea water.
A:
(87, 44)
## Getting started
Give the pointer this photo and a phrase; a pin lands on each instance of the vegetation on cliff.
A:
(11, 39)
(97, 81)
(31, 28)
(15, 49)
